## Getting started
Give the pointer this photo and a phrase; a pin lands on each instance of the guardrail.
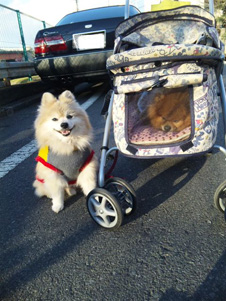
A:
(18, 31)
(10, 70)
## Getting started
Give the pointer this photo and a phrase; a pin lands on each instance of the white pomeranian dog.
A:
(65, 160)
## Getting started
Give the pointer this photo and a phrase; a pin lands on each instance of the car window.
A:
(96, 14)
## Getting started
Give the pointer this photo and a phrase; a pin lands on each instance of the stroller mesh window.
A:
(159, 117)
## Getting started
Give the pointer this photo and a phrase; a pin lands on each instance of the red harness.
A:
(50, 166)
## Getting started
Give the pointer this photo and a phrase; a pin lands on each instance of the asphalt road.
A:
(171, 248)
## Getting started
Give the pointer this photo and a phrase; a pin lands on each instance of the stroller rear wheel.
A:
(220, 197)
(123, 192)
(104, 208)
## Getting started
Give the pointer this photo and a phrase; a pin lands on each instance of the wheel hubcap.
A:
(103, 211)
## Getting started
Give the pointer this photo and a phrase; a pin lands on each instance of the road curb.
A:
(20, 104)
(13, 94)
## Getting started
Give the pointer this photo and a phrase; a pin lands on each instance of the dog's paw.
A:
(70, 191)
(57, 207)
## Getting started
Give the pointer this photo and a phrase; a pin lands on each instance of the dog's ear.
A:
(47, 99)
(67, 96)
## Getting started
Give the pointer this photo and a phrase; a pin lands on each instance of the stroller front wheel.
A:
(124, 193)
(104, 208)
(220, 197)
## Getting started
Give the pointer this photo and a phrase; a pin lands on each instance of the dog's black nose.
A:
(64, 125)
(167, 128)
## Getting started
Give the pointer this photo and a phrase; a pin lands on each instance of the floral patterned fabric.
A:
(159, 53)
(190, 12)
(175, 76)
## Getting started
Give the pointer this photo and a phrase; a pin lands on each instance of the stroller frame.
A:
(114, 197)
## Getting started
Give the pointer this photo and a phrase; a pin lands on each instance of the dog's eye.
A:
(69, 116)
(176, 121)
(54, 119)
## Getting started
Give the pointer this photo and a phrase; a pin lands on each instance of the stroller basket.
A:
(166, 54)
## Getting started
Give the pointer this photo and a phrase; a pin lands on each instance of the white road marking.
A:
(91, 100)
(27, 150)
(16, 158)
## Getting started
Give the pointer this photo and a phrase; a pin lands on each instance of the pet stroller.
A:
(157, 53)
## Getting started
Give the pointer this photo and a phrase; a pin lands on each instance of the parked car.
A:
(77, 48)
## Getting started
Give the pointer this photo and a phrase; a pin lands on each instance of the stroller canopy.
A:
(184, 25)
